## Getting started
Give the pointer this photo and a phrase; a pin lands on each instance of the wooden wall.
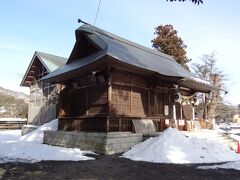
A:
(100, 104)
(131, 96)
(89, 101)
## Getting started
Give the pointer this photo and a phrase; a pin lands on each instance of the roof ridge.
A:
(40, 52)
(131, 43)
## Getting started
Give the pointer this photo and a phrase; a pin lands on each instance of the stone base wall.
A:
(151, 135)
(102, 143)
(27, 129)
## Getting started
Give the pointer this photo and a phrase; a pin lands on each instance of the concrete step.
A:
(215, 136)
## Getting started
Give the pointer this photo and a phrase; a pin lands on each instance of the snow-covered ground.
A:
(175, 147)
(229, 165)
(29, 148)
(172, 146)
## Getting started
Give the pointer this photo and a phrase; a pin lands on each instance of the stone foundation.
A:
(149, 135)
(27, 129)
(102, 143)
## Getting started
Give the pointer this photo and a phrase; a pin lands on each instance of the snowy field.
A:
(175, 147)
(172, 146)
(29, 148)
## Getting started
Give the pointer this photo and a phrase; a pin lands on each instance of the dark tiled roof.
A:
(127, 52)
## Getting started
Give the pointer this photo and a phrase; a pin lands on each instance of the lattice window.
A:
(159, 104)
(121, 100)
(139, 102)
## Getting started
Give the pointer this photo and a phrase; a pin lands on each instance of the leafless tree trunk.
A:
(211, 106)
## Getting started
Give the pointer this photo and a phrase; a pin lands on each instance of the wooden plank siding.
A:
(82, 124)
(132, 97)
(88, 101)
(112, 104)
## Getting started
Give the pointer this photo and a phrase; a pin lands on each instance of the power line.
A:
(97, 12)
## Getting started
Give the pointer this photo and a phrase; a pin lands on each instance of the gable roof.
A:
(124, 51)
(49, 61)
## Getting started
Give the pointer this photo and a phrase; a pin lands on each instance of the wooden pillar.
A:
(193, 113)
(87, 101)
(107, 125)
(119, 124)
(174, 113)
(181, 112)
(109, 96)
(149, 102)
(130, 110)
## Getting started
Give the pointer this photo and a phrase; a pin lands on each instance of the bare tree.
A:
(207, 70)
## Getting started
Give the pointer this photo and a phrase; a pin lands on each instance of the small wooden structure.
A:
(12, 123)
(109, 81)
(42, 105)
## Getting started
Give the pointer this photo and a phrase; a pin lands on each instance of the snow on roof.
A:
(175, 147)
(200, 81)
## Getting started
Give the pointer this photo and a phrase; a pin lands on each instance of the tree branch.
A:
(194, 1)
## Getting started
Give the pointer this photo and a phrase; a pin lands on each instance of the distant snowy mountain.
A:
(13, 104)
(15, 94)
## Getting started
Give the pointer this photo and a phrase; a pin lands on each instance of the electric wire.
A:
(97, 12)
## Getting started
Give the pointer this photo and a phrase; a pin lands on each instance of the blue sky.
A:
(48, 26)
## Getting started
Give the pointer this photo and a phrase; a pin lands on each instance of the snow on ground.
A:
(175, 147)
(29, 148)
(236, 137)
(37, 135)
(230, 165)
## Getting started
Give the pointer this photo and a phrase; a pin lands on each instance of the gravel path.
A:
(110, 167)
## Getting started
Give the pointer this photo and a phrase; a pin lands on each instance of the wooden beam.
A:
(29, 82)
(32, 77)
(129, 85)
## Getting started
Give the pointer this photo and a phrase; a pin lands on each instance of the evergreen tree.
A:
(168, 42)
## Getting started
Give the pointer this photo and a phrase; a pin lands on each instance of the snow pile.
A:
(31, 152)
(9, 136)
(36, 136)
(29, 148)
(174, 147)
(229, 165)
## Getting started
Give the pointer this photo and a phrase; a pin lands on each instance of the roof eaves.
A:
(29, 66)
(75, 66)
(207, 86)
